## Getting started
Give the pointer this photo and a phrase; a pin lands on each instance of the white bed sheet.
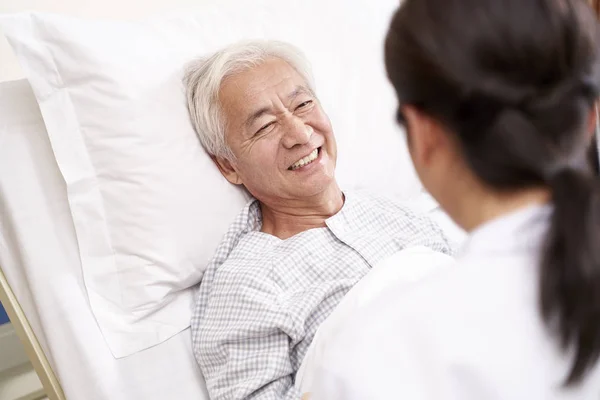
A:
(39, 256)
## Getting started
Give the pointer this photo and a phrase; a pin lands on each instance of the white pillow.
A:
(148, 205)
(40, 258)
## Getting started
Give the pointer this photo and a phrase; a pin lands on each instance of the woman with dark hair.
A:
(497, 98)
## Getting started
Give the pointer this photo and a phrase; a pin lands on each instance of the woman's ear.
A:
(424, 135)
(227, 170)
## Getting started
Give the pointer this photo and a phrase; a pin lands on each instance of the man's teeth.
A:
(306, 160)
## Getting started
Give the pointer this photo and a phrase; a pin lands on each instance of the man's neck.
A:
(286, 219)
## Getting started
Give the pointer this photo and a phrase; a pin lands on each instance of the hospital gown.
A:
(262, 299)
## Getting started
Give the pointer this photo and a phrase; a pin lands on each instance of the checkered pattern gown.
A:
(262, 299)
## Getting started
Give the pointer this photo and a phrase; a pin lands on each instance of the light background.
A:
(121, 9)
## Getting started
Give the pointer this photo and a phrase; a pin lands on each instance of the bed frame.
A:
(32, 346)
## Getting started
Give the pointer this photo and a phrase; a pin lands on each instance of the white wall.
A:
(122, 9)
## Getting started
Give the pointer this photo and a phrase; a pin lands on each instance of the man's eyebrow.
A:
(298, 91)
(262, 111)
(256, 115)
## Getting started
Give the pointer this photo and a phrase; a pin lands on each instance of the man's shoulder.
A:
(243, 224)
(248, 219)
(252, 250)
(242, 278)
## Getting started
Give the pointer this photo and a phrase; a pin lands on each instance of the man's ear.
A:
(227, 169)
(425, 136)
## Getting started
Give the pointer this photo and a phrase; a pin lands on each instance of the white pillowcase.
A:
(148, 205)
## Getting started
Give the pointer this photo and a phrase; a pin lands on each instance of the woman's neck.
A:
(285, 219)
(481, 206)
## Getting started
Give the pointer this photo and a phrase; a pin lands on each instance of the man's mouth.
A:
(305, 160)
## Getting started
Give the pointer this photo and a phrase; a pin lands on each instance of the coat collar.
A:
(520, 230)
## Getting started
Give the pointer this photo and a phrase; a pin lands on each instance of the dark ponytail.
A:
(570, 270)
(516, 81)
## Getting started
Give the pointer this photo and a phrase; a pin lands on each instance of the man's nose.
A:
(297, 133)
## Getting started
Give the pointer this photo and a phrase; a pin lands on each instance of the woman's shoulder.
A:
(471, 315)
(444, 305)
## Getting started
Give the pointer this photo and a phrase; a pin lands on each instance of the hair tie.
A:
(573, 164)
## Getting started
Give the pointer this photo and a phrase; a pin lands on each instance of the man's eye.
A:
(302, 105)
(265, 127)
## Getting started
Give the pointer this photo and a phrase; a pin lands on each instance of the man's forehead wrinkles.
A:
(249, 95)
(256, 89)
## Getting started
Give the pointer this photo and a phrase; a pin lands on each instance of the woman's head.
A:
(498, 96)
(511, 82)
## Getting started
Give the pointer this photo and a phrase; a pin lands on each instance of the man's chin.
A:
(314, 187)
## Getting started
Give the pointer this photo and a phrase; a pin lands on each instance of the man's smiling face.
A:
(281, 138)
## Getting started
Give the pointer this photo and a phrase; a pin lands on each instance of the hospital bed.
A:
(41, 282)
(42, 287)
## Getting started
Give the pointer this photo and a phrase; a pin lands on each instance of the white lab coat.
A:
(472, 332)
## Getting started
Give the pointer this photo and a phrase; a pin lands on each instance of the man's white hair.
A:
(204, 77)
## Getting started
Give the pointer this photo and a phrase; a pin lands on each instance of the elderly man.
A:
(301, 244)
